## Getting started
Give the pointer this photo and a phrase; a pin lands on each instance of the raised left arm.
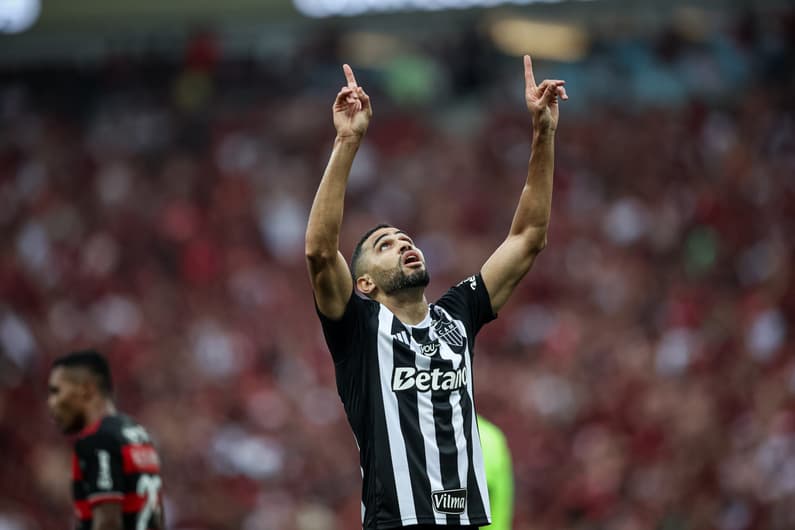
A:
(528, 233)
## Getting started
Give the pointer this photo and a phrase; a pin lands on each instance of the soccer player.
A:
(115, 469)
(499, 474)
(404, 366)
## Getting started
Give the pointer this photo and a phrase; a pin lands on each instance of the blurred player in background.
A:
(404, 366)
(499, 474)
(115, 469)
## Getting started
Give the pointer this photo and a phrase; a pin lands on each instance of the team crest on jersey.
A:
(448, 331)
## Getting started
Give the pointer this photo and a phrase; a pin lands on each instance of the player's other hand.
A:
(352, 109)
(542, 99)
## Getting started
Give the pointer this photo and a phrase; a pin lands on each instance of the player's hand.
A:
(542, 100)
(352, 109)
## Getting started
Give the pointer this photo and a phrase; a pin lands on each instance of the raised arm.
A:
(528, 233)
(328, 271)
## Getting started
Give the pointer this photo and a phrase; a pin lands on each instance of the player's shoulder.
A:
(130, 431)
(364, 301)
(101, 435)
(461, 290)
(118, 429)
(357, 306)
(470, 282)
(362, 306)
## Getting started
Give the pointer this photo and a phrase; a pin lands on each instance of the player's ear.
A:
(86, 388)
(87, 385)
(365, 284)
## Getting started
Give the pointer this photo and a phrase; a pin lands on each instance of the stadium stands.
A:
(644, 373)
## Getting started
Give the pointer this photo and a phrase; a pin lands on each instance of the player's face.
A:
(66, 397)
(394, 262)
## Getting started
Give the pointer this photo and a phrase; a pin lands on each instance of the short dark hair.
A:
(357, 251)
(92, 361)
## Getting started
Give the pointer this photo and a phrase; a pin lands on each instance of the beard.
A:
(399, 280)
(71, 425)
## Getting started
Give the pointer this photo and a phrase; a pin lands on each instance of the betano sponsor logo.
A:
(408, 377)
(449, 501)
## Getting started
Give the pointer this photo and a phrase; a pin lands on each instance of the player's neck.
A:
(98, 409)
(410, 305)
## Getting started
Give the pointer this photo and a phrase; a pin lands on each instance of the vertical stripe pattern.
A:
(478, 469)
(426, 390)
(409, 397)
(397, 446)
(427, 422)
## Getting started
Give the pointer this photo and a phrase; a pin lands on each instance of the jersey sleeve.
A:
(342, 335)
(99, 457)
(469, 301)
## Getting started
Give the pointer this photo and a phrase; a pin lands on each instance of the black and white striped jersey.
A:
(407, 391)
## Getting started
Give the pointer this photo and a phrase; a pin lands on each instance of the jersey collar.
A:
(91, 429)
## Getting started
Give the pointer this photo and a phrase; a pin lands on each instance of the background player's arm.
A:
(528, 234)
(107, 516)
(500, 484)
(328, 271)
(103, 478)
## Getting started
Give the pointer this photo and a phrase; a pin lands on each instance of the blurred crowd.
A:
(643, 373)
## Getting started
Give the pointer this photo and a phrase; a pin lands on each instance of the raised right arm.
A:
(328, 271)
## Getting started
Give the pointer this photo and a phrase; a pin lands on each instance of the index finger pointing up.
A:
(349, 76)
(529, 80)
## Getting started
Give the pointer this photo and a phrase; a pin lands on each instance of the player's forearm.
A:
(532, 214)
(325, 217)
